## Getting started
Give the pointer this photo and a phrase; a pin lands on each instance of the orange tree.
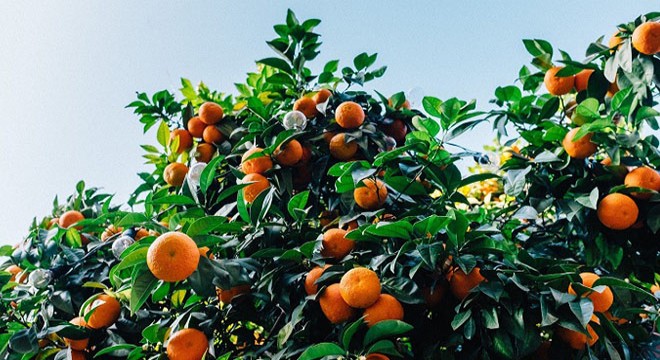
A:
(303, 217)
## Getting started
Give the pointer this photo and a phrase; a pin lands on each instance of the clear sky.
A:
(68, 69)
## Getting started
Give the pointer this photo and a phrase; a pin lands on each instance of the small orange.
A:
(259, 164)
(311, 288)
(335, 244)
(335, 309)
(306, 156)
(615, 41)
(646, 38)
(577, 340)
(80, 344)
(322, 96)
(377, 356)
(226, 296)
(397, 130)
(613, 89)
(328, 135)
(210, 113)
(196, 127)
(461, 284)
(360, 287)
(349, 115)
(140, 234)
(260, 183)
(78, 355)
(290, 154)
(111, 230)
(387, 307)
(371, 196)
(405, 105)
(14, 270)
(306, 106)
(602, 301)
(615, 319)
(558, 85)
(342, 150)
(326, 217)
(175, 173)
(105, 312)
(173, 257)
(582, 79)
(187, 344)
(71, 217)
(617, 211)
(212, 135)
(643, 177)
(581, 148)
(185, 140)
(204, 152)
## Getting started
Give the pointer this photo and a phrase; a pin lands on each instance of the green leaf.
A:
(399, 229)
(537, 47)
(163, 134)
(432, 106)
(277, 63)
(298, 201)
(349, 331)
(205, 225)
(460, 319)
(384, 329)
(143, 282)
(173, 200)
(135, 258)
(208, 174)
(321, 350)
(619, 283)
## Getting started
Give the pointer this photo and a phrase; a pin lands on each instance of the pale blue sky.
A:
(67, 69)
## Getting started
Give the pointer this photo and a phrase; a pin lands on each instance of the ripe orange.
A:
(322, 96)
(405, 105)
(615, 41)
(210, 113)
(461, 284)
(580, 149)
(349, 115)
(351, 225)
(306, 106)
(110, 231)
(185, 139)
(335, 244)
(78, 355)
(253, 190)
(646, 38)
(290, 154)
(259, 164)
(14, 270)
(306, 156)
(558, 85)
(387, 307)
(335, 309)
(377, 356)
(643, 177)
(204, 153)
(175, 173)
(226, 296)
(582, 79)
(105, 312)
(613, 89)
(371, 196)
(80, 344)
(311, 288)
(173, 257)
(617, 211)
(71, 217)
(360, 287)
(577, 340)
(602, 301)
(328, 135)
(615, 319)
(342, 150)
(140, 234)
(196, 127)
(187, 344)
(326, 217)
(212, 135)
(397, 130)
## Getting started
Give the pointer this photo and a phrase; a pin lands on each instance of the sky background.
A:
(67, 71)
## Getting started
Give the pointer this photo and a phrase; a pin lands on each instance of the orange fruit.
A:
(204, 251)
(335, 309)
(615, 41)
(196, 127)
(173, 257)
(349, 115)
(306, 156)
(290, 154)
(342, 150)
(210, 113)
(335, 244)
(212, 135)
(360, 287)
(405, 105)
(377, 356)
(646, 38)
(110, 231)
(433, 297)
(617, 211)
(260, 183)
(187, 344)
(226, 296)
(397, 130)
(461, 284)
(613, 89)
(204, 153)
(327, 217)
(387, 307)
(78, 355)
(328, 135)
(105, 312)
(14, 270)
(371, 196)
(140, 234)
(306, 106)
(643, 177)
(581, 148)
(602, 301)
(259, 164)
(582, 79)
(615, 319)
(311, 288)
(71, 217)
(80, 344)
(352, 225)
(175, 173)
(577, 340)
(322, 96)
(558, 85)
(185, 139)
(655, 288)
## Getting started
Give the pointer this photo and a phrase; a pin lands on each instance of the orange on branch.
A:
(349, 115)
(196, 127)
(577, 340)
(175, 173)
(210, 113)
(558, 85)
(360, 287)
(104, 310)
(335, 244)
(581, 148)
(311, 288)
(646, 38)
(187, 344)
(80, 344)
(71, 217)
(461, 283)
(212, 135)
(335, 309)
(185, 140)
(602, 301)
(306, 106)
(342, 150)
(582, 79)
(290, 154)
(226, 296)
(259, 164)
(617, 211)
(387, 307)
(173, 256)
(259, 184)
(372, 195)
(643, 177)
(205, 152)
(322, 96)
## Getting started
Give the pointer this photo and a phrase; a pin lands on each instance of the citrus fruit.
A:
(617, 211)
(371, 196)
(581, 148)
(646, 38)
(196, 127)
(175, 173)
(349, 115)
(311, 288)
(387, 307)
(360, 287)
(322, 96)
(582, 79)
(577, 340)
(306, 106)
(615, 41)
(643, 177)
(204, 153)
(78, 355)
(461, 284)
(187, 344)
(259, 164)
(111, 230)
(342, 150)
(259, 184)
(397, 130)
(14, 270)
(335, 244)
(335, 309)
(173, 256)
(558, 85)
(80, 344)
(405, 105)
(71, 217)
(185, 140)
(290, 154)
(377, 356)
(104, 312)
(210, 113)
(602, 301)
(226, 296)
(212, 135)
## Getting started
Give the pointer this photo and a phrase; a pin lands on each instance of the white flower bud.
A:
(295, 120)
(195, 173)
(40, 278)
(121, 244)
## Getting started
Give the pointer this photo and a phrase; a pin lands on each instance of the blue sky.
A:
(67, 71)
